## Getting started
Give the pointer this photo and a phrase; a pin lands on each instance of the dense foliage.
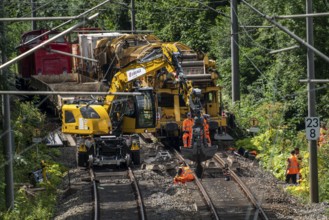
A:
(270, 87)
(27, 156)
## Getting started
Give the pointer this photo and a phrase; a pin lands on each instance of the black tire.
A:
(136, 157)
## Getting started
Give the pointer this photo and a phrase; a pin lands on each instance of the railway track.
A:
(227, 199)
(211, 197)
(256, 211)
(116, 195)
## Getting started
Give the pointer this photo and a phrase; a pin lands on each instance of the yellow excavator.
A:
(171, 100)
(138, 66)
(98, 127)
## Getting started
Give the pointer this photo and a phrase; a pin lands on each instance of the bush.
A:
(26, 118)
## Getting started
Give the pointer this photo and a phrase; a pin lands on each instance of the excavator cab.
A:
(135, 114)
(145, 107)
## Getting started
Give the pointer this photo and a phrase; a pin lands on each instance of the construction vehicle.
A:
(93, 61)
(172, 106)
(171, 100)
(106, 130)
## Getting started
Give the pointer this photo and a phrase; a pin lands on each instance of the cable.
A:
(211, 8)
(248, 35)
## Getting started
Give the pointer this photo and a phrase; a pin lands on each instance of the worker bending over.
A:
(184, 174)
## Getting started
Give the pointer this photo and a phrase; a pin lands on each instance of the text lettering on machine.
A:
(135, 73)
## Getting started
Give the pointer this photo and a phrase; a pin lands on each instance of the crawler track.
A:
(117, 195)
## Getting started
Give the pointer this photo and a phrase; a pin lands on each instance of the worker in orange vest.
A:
(292, 168)
(184, 174)
(300, 160)
(206, 128)
(187, 130)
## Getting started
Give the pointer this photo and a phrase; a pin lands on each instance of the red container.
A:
(43, 61)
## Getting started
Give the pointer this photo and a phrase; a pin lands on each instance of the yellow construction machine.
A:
(173, 103)
(172, 99)
(106, 130)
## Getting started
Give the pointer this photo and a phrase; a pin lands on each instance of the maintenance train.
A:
(175, 79)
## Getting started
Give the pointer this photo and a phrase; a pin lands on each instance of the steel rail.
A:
(96, 204)
(139, 195)
(202, 189)
(245, 189)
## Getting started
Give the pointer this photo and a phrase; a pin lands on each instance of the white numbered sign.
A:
(312, 128)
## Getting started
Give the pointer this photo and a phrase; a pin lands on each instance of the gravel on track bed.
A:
(166, 201)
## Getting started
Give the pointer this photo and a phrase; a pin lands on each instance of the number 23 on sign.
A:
(312, 128)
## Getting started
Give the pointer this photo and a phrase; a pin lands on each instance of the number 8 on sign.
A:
(312, 128)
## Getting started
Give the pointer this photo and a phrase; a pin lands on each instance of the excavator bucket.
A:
(198, 153)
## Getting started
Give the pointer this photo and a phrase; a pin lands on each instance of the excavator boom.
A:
(142, 63)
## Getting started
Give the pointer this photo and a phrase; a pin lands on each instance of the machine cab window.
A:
(89, 112)
(69, 117)
(146, 110)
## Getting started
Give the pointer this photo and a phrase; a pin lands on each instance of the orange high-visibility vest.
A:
(293, 167)
(187, 128)
(188, 124)
(186, 175)
(206, 130)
